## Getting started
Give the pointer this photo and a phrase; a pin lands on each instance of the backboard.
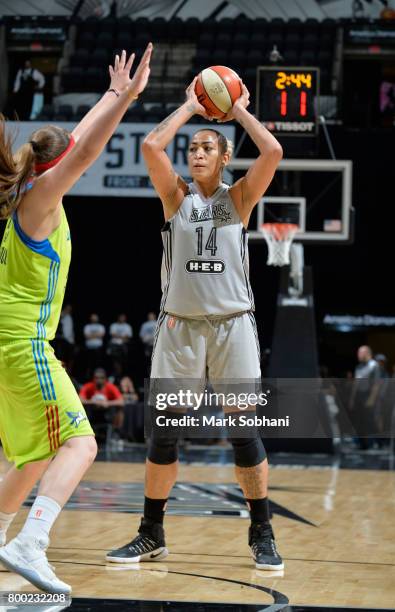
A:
(318, 192)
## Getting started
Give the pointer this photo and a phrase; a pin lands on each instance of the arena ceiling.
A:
(198, 8)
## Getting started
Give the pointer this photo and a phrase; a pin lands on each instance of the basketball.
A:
(217, 88)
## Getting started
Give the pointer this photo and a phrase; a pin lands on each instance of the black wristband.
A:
(115, 91)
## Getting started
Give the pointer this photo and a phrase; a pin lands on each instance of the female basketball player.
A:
(206, 319)
(43, 426)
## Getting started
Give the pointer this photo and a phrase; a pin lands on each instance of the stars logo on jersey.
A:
(212, 211)
(76, 418)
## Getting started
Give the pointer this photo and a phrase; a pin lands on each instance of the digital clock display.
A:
(287, 99)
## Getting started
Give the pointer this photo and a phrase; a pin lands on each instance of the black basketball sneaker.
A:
(263, 546)
(148, 545)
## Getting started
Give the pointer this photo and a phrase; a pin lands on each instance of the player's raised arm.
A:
(247, 191)
(39, 208)
(169, 186)
(93, 132)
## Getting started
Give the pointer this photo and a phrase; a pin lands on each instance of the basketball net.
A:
(279, 238)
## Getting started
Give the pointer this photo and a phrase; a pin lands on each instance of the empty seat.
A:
(72, 79)
(209, 26)
(226, 25)
(206, 40)
(105, 39)
(292, 40)
(244, 26)
(223, 41)
(291, 57)
(46, 113)
(258, 41)
(324, 57)
(89, 25)
(80, 58)
(66, 110)
(192, 27)
(237, 59)
(241, 41)
(219, 57)
(107, 25)
(259, 25)
(255, 58)
(86, 41)
(124, 40)
(93, 79)
(177, 29)
(308, 58)
(310, 42)
(99, 58)
(294, 25)
(159, 28)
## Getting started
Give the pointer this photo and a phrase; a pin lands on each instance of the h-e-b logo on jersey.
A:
(205, 266)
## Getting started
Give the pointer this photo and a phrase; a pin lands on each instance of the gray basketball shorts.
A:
(222, 350)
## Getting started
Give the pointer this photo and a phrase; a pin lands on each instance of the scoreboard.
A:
(287, 99)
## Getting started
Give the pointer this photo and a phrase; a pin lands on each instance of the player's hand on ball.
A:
(193, 103)
(120, 72)
(241, 102)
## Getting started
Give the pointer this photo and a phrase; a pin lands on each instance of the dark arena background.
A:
(321, 74)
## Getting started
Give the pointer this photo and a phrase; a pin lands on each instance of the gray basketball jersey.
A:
(205, 269)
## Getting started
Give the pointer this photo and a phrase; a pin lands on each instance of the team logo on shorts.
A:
(171, 322)
(76, 418)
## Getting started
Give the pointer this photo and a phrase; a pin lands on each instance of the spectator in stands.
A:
(133, 428)
(94, 333)
(28, 81)
(103, 401)
(364, 394)
(65, 339)
(147, 333)
(121, 333)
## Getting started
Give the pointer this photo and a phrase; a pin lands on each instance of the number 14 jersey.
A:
(205, 270)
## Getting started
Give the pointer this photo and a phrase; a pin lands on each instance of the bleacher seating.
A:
(183, 48)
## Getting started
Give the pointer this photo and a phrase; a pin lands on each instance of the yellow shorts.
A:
(39, 406)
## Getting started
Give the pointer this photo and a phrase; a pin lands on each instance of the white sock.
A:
(6, 520)
(42, 516)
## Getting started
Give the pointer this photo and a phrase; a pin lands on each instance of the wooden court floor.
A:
(341, 554)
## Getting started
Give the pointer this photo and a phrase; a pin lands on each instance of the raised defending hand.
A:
(193, 103)
(241, 102)
(120, 72)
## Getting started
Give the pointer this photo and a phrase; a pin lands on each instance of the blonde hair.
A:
(15, 168)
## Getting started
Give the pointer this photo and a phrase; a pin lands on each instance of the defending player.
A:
(206, 318)
(43, 426)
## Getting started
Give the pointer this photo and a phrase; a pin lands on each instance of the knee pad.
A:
(162, 451)
(248, 451)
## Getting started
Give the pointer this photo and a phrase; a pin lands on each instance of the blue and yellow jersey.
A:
(33, 276)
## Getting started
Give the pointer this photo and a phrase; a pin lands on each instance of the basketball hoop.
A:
(279, 238)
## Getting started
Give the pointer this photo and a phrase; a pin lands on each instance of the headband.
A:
(56, 160)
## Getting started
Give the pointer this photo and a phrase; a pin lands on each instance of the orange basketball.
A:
(217, 88)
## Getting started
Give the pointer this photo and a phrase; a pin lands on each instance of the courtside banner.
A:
(120, 170)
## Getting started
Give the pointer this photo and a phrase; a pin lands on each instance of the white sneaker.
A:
(26, 556)
(3, 538)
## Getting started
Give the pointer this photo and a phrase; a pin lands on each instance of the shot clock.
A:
(287, 99)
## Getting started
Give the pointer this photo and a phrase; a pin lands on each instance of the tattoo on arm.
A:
(191, 108)
(162, 126)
